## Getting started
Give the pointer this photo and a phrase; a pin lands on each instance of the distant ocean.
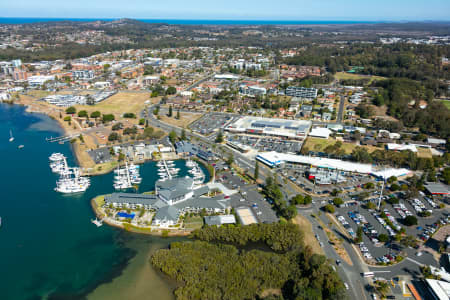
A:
(184, 22)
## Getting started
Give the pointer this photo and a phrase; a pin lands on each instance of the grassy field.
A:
(193, 222)
(184, 121)
(306, 228)
(99, 200)
(446, 103)
(345, 75)
(118, 104)
(424, 153)
(38, 93)
(318, 144)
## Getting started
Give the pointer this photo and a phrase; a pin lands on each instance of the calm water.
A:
(186, 21)
(48, 246)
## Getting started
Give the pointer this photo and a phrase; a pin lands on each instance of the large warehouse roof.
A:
(277, 127)
(437, 188)
(274, 158)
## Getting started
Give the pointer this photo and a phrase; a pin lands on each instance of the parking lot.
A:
(267, 143)
(248, 197)
(210, 123)
(100, 155)
(388, 222)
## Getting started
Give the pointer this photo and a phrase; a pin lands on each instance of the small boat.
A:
(11, 136)
(21, 146)
(98, 223)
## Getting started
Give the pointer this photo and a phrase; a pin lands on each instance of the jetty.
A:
(64, 138)
(97, 222)
(167, 169)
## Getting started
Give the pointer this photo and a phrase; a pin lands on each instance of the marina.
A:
(70, 180)
(127, 176)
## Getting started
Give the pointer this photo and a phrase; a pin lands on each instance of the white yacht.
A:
(190, 163)
(56, 157)
(70, 180)
(126, 177)
(11, 138)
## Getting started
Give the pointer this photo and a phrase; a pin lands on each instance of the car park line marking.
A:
(381, 271)
(415, 261)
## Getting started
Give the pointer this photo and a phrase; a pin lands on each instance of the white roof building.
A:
(274, 159)
(320, 132)
(439, 289)
(297, 129)
(225, 76)
(39, 80)
(401, 147)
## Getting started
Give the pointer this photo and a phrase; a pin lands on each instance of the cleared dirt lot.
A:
(184, 121)
(309, 238)
(318, 144)
(120, 103)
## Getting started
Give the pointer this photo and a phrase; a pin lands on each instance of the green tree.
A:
(171, 90)
(83, 114)
(173, 136)
(170, 111)
(183, 135)
(329, 208)
(256, 173)
(290, 212)
(298, 200)
(394, 187)
(392, 179)
(338, 201)
(370, 205)
(383, 238)
(230, 160)
(96, 114)
(113, 136)
(117, 126)
(71, 110)
(446, 175)
(410, 221)
(129, 115)
(178, 114)
(108, 118)
(359, 235)
(369, 185)
(219, 137)
(142, 121)
(307, 199)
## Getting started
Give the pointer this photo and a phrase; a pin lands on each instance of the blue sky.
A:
(369, 10)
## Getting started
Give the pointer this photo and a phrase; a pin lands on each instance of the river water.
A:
(49, 249)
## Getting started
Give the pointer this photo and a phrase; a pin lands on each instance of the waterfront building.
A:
(175, 190)
(172, 198)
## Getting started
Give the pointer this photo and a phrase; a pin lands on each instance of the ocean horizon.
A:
(26, 20)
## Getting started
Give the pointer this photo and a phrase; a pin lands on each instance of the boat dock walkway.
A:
(167, 169)
(62, 138)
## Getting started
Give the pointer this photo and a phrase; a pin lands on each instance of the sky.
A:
(345, 10)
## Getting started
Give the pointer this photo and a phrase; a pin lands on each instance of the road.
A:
(340, 115)
(199, 82)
